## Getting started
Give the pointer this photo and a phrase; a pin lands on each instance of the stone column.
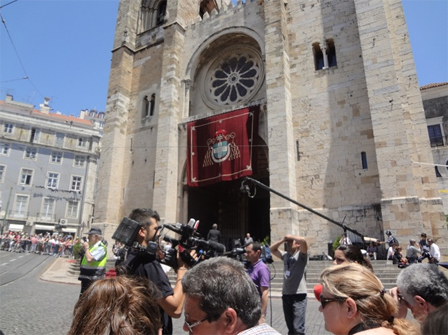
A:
(284, 216)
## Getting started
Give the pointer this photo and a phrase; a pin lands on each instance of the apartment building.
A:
(48, 165)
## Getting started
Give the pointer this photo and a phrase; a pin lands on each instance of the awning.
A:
(69, 230)
(15, 227)
(44, 227)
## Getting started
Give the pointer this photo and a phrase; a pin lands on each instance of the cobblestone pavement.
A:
(30, 305)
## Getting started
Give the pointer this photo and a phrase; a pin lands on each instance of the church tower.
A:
(340, 125)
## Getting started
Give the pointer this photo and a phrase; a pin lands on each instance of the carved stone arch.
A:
(240, 48)
(194, 59)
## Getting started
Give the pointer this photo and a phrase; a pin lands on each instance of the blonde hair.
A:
(374, 305)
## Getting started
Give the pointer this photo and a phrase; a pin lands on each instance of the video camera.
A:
(189, 239)
(127, 233)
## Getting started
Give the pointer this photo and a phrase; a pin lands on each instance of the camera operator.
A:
(148, 266)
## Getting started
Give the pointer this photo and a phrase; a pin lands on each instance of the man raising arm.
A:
(295, 260)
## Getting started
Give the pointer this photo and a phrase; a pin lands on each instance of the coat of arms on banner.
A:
(220, 148)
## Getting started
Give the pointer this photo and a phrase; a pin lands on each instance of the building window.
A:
(56, 157)
(76, 183)
(364, 160)
(161, 13)
(79, 161)
(4, 149)
(8, 128)
(2, 172)
(152, 16)
(435, 135)
(145, 106)
(72, 209)
(148, 105)
(59, 140)
(34, 135)
(31, 153)
(81, 142)
(21, 206)
(324, 56)
(47, 209)
(26, 176)
(52, 180)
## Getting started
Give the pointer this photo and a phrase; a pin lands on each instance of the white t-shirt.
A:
(390, 252)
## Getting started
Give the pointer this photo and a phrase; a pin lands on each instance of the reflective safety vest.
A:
(95, 269)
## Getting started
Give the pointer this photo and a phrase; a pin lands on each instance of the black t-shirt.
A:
(148, 267)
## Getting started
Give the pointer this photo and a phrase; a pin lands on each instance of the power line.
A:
(8, 4)
(16, 52)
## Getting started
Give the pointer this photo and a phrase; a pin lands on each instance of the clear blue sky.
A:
(65, 49)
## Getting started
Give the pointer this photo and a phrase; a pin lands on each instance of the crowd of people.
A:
(221, 295)
(415, 252)
(60, 245)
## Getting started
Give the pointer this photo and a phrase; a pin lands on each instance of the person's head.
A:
(430, 241)
(352, 294)
(214, 226)
(423, 236)
(148, 219)
(412, 241)
(118, 306)
(253, 252)
(95, 236)
(388, 232)
(350, 253)
(247, 235)
(220, 298)
(292, 246)
(435, 323)
(423, 287)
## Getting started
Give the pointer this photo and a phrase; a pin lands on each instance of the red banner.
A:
(221, 147)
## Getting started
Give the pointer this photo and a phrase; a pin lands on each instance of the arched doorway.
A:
(235, 213)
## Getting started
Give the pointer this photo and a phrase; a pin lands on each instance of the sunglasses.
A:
(325, 301)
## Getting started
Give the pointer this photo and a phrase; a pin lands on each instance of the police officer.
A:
(93, 264)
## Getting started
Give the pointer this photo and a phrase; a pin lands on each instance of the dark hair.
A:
(255, 246)
(220, 283)
(140, 214)
(354, 254)
(435, 323)
(118, 306)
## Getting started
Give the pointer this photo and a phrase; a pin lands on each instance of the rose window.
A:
(233, 78)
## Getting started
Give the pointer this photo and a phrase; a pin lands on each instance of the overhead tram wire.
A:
(17, 53)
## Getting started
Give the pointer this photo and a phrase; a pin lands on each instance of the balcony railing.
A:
(44, 217)
(18, 214)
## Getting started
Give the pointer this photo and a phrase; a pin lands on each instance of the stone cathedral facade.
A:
(341, 126)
